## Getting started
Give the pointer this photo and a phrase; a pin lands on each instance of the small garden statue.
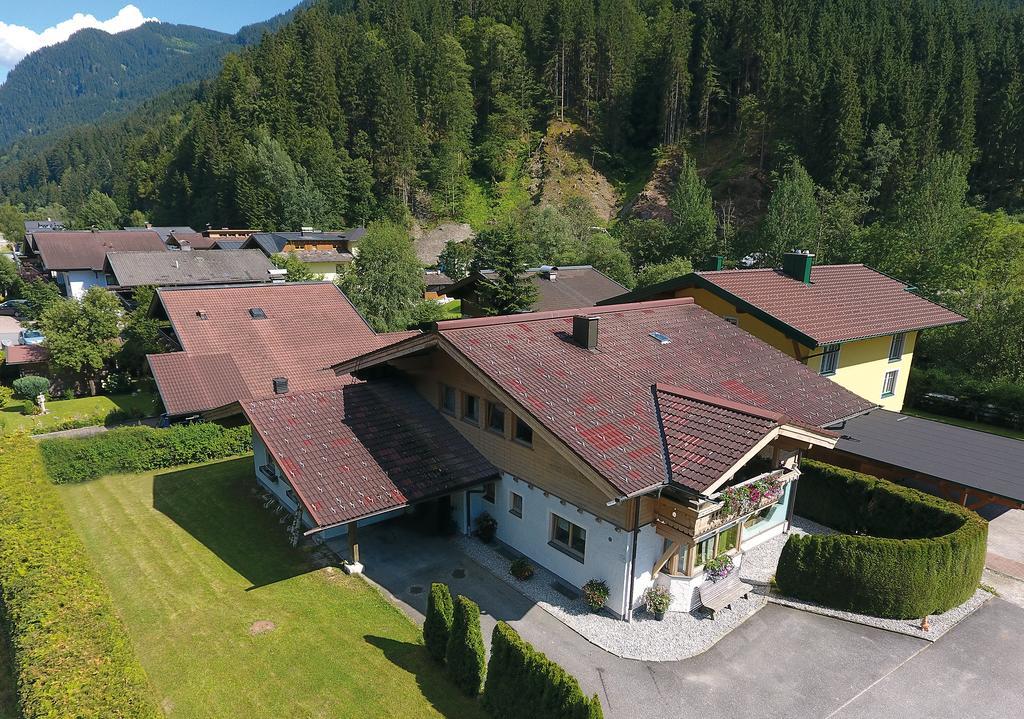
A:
(41, 401)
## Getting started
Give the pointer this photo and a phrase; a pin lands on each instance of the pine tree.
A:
(693, 214)
(504, 251)
(793, 218)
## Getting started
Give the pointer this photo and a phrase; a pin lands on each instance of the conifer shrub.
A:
(72, 657)
(904, 554)
(522, 682)
(437, 626)
(141, 449)
(30, 386)
(465, 652)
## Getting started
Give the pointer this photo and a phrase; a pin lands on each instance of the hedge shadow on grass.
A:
(186, 497)
(430, 676)
(904, 554)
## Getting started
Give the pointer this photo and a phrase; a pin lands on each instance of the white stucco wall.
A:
(77, 282)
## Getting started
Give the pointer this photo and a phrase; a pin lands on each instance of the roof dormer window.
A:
(257, 313)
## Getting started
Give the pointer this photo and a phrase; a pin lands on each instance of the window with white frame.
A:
(896, 347)
(568, 537)
(889, 383)
(829, 359)
(515, 504)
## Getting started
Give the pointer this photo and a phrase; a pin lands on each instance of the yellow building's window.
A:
(896, 348)
(889, 383)
(829, 359)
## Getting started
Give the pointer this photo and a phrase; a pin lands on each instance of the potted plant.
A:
(595, 593)
(718, 568)
(486, 526)
(521, 569)
(657, 600)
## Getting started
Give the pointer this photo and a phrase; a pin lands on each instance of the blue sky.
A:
(28, 25)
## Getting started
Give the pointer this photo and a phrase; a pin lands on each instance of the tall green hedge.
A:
(141, 449)
(522, 682)
(437, 624)
(71, 654)
(465, 654)
(904, 554)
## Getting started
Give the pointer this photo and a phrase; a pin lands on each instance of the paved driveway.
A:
(781, 662)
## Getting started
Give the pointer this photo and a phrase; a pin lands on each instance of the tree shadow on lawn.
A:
(430, 676)
(215, 503)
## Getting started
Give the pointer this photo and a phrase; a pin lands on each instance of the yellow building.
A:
(848, 322)
(323, 253)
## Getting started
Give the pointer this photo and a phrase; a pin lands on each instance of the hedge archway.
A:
(903, 554)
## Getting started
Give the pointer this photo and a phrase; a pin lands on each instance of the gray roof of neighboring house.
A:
(967, 457)
(162, 231)
(558, 288)
(198, 267)
(275, 242)
(437, 279)
(228, 244)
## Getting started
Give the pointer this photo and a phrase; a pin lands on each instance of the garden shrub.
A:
(30, 386)
(465, 651)
(522, 682)
(141, 449)
(6, 395)
(904, 554)
(72, 657)
(437, 626)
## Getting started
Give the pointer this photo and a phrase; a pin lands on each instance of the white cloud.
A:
(17, 41)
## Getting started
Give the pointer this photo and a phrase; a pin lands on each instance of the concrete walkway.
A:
(781, 662)
(1005, 559)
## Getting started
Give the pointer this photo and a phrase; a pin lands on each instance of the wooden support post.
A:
(673, 549)
(353, 545)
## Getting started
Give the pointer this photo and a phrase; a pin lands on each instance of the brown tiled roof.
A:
(842, 303)
(600, 404)
(88, 250)
(231, 356)
(365, 448)
(194, 240)
(26, 354)
(705, 436)
(577, 286)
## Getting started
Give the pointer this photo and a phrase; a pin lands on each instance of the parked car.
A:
(12, 308)
(31, 337)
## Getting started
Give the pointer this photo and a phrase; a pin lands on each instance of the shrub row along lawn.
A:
(904, 554)
(82, 412)
(141, 449)
(231, 622)
(71, 655)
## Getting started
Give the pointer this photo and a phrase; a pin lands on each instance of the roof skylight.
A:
(257, 313)
(662, 339)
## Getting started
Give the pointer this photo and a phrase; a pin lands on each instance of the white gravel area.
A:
(679, 636)
(758, 568)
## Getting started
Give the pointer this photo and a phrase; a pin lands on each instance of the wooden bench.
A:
(721, 594)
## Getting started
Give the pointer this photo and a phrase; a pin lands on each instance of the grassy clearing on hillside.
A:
(193, 561)
(96, 409)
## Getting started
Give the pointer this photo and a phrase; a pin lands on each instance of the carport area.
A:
(781, 662)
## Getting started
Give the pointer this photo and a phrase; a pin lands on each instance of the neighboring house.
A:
(76, 260)
(558, 288)
(209, 239)
(164, 232)
(324, 253)
(129, 270)
(21, 360)
(244, 342)
(850, 323)
(436, 284)
(228, 244)
(615, 435)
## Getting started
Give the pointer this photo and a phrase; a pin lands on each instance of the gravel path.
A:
(678, 636)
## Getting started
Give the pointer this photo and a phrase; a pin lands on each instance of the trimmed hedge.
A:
(522, 682)
(905, 554)
(465, 652)
(437, 625)
(72, 656)
(141, 449)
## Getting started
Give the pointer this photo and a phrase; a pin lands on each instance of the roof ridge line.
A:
(720, 402)
(558, 314)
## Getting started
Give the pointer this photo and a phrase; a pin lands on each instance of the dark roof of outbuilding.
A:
(964, 456)
(365, 448)
(198, 267)
(88, 250)
(164, 232)
(575, 286)
(26, 354)
(192, 239)
(599, 403)
(842, 303)
(233, 356)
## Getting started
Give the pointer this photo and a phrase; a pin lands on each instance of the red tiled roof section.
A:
(842, 303)
(364, 449)
(600, 403)
(88, 250)
(26, 354)
(232, 356)
(705, 439)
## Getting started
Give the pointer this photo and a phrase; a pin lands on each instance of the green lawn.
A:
(67, 410)
(193, 560)
(980, 426)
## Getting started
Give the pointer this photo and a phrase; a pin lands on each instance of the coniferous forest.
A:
(877, 131)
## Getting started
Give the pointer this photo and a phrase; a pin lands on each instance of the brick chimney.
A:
(797, 264)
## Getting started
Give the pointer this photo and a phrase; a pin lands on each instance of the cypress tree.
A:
(465, 652)
(437, 625)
